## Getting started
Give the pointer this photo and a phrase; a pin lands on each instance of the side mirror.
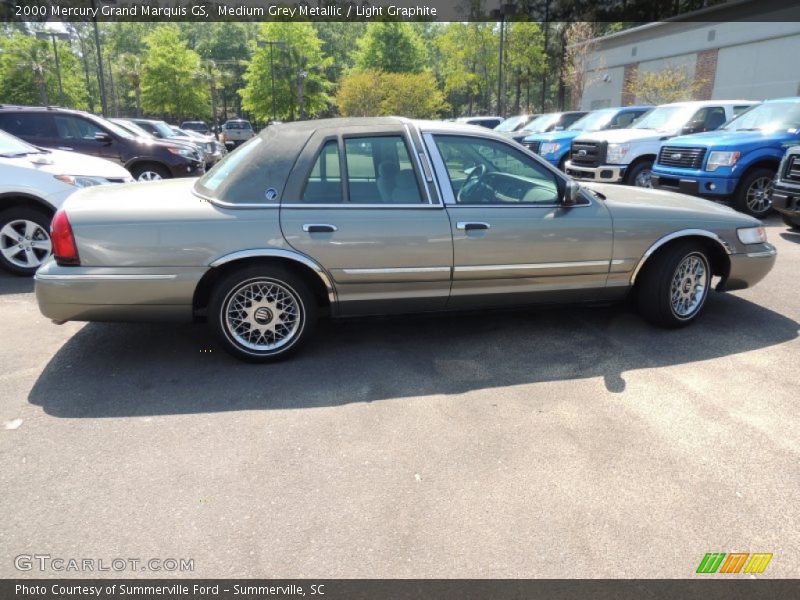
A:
(571, 194)
(103, 137)
(694, 127)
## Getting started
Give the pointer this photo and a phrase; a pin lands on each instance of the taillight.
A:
(65, 250)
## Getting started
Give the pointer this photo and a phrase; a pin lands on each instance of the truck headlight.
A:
(616, 153)
(721, 159)
(549, 148)
(81, 181)
(752, 235)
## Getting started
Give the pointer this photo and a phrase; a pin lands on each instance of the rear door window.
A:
(28, 126)
(379, 171)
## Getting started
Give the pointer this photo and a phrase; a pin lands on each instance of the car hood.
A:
(622, 198)
(553, 136)
(61, 162)
(732, 139)
(619, 136)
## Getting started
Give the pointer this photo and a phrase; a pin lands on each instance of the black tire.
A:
(12, 221)
(654, 286)
(638, 169)
(756, 206)
(280, 289)
(140, 172)
(792, 222)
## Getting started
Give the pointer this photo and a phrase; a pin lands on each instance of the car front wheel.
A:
(24, 240)
(262, 314)
(640, 174)
(754, 195)
(673, 288)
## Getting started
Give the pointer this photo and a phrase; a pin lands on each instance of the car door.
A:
(362, 209)
(78, 134)
(513, 241)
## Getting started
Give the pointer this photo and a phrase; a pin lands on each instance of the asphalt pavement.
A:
(570, 442)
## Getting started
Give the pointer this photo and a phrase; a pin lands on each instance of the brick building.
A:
(748, 49)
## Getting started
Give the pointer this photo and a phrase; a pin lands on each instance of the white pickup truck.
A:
(627, 155)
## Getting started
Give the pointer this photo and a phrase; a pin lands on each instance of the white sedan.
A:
(34, 183)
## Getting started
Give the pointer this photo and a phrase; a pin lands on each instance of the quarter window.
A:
(484, 171)
(324, 185)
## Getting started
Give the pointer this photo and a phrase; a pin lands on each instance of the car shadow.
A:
(791, 236)
(114, 370)
(14, 284)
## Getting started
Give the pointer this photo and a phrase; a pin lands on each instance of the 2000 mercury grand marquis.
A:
(358, 216)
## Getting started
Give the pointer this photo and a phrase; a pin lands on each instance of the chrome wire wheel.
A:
(759, 195)
(262, 315)
(25, 244)
(689, 286)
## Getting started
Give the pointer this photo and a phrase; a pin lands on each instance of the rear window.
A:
(238, 125)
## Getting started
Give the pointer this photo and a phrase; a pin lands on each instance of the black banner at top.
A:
(628, 11)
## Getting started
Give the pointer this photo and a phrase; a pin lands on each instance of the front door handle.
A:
(319, 228)
(469, 226)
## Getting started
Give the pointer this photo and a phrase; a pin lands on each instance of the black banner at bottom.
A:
(400, 589)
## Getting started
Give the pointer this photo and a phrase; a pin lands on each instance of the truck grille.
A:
(533, 146)
(792, 172)
(588, 154)
(677, 156)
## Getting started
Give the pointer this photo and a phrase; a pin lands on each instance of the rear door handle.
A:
(319, 228)
(468, 226)
(65, 148)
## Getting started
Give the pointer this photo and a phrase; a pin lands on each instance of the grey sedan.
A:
(374, 216)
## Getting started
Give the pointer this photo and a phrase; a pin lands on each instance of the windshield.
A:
(770, 116)
(542, 123)
(594, 121)
(163, 129)
(12, 146)
(134, 129)
(666, 118)
(512, 123)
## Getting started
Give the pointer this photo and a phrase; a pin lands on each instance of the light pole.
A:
(271, 44)
(100, 74)
(55, 35)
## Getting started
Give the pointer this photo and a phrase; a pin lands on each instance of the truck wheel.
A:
(674, 285)
(754, 194)
(150, 172)
(793, 222)
(262, 313)
(639, 175)
(24, 239)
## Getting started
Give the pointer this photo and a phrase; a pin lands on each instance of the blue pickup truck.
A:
(737, 162)
(554, 146)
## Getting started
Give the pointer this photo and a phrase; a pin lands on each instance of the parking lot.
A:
(574, 442)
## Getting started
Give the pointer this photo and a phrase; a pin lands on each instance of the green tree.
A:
(170, 73)
(469, 69)
(301, 86)
(393, 47)
(375, 93)
(28, 72)
(524, 62)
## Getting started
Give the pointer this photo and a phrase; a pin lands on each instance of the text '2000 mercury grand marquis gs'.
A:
(362, 216)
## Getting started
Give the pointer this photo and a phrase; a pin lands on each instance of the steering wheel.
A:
(472, 183)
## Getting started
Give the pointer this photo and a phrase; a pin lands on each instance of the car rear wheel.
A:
(24, 240)
(640, 174)
(673, 288)
(150, 172)
(262, 314)
(793, 222)
(754, 195)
